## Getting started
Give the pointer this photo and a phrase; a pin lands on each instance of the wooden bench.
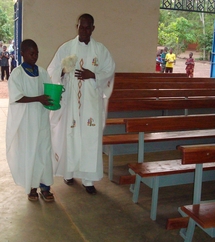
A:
(158, 94)
(114, 139)
(201, 213)
(158, 100)
(165, 173)
(155, 92)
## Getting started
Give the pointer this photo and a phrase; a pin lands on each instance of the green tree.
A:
(6, 20)
(177, 32)
(178, 28)
(5, 33)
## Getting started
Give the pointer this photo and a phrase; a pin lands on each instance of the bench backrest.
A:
(162, 83)
(197, 154)
(170, 123)
(118, 105)
(164, 93)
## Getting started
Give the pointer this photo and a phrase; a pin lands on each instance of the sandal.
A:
(47, 196)
(33, 195)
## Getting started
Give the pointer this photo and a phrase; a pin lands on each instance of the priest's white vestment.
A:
(77, 128)
(28, 135)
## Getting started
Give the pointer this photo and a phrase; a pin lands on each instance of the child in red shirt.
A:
(190, 65)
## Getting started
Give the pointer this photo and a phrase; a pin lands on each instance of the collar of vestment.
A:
(30, 70)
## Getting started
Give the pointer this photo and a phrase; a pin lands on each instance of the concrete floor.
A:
(76, 216)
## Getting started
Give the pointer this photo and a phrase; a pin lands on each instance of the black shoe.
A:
(90, 189)
(69, 182)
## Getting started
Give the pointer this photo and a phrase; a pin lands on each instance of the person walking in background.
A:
(86, 69)
(170, 61)
(28, 136)
(4, 55)
(163, 56)
(190, 63)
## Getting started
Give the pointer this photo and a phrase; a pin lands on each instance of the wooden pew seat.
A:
(203, 214)
(131, 138)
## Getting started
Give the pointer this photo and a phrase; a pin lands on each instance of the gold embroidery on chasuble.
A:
(90, 122)
(79, 86)
(56, 157)
(95, 61)
(73, 124)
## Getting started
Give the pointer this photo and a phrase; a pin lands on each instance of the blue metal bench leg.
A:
(190, 230)
(132, 185)
(136, 188)
(110, 163)
(154, 198)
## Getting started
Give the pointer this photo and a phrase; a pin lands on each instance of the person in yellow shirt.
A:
(170, 61)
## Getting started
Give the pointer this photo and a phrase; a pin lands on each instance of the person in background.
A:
(163, 55)
(170, 61)
(11, 46)
(158, 62)
(28, 135)
(190, 63)
(1, 49)
(86, 69)
(4, 55)
(12, 60)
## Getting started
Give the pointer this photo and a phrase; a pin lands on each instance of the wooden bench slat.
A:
(150, 93)
(170, 123)
(115, 121)
(203, 214)
(125, 180)
(167, 167)
(177, 223)
(158, 136)
(197, 154)
(151, 74)
(167, 78)
(141, 104)
(140, 84)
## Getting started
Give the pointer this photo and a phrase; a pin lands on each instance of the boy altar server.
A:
(28, 136)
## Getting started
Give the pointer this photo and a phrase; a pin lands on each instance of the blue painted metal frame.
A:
(200, 6)
(18, 29)
(212, 74)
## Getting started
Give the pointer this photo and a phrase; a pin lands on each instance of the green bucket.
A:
(54, 91)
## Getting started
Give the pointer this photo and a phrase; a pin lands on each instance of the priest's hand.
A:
(84, 74)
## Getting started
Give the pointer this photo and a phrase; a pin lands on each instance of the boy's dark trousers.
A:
(4, 69)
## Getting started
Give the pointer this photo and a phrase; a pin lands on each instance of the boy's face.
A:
(30, 55)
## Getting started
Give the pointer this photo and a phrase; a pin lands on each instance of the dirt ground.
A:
(202, 69)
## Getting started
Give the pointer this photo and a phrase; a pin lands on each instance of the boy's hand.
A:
(45, 100)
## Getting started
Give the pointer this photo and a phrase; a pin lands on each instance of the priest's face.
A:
(85, 29)
(30, 55)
